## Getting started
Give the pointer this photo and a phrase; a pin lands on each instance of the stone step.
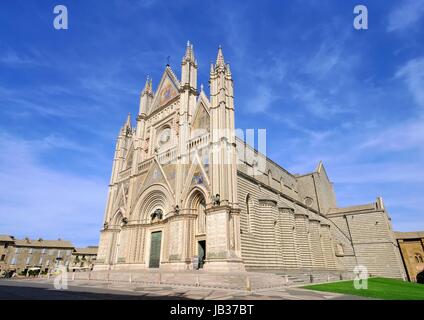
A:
(239, 281)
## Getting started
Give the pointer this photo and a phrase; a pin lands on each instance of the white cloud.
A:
(54, 141)
(413, 74)
(11, 58)
(262, 100)
(320, 104)
(405, 15)
(378, 172)
(37, 201)
(399, 137)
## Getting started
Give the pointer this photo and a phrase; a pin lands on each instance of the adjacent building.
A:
(411, 245)
(186, 193)
(39, 255)
(5, 242)
(84, 258)
(43, 254)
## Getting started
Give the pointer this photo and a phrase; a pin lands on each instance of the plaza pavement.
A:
(43, 289)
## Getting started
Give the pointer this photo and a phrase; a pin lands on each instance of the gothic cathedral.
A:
(186, 194)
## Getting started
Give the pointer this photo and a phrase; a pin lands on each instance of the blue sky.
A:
(323, 90)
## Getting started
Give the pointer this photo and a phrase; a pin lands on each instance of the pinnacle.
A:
(189, 54)
(220, 58)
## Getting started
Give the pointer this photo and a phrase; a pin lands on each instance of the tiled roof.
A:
(409, 235)
(44, 243)
(86, 251)
(4, 237)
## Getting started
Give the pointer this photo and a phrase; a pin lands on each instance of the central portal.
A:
(155, 243)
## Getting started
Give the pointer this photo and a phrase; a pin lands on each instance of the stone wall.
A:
(373, 242)
(278, 234)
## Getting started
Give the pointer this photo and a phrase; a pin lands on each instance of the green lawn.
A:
(380, 288)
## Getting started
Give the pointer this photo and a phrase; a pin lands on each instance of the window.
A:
(6, 245)
(17, 250)
(13, 260)
(340, 249)
(43, 251)
(3, 257)
(58, 253)
(249, 227)
(40, 262)
(28, 260)
(68, 252)
(30, 250)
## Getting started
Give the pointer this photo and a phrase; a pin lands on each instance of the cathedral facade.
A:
(186, 194)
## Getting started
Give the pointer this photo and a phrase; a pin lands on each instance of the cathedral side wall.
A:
(325, 192)
(277, 233)
(373, 243)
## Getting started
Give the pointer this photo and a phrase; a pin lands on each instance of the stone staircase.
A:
(235, 281)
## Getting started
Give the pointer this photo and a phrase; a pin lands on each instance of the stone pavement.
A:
(44, 289)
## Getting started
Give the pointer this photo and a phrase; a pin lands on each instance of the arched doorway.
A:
(153, 206)
(198, 206)
(155, 249)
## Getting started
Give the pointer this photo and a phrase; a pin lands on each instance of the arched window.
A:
(269, 178)
(130, 156)
(340, 249)
(197, 205)
(201, 222)
(248, 208)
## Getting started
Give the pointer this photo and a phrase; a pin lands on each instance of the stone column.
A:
(327, 246)
(137, 243)
(288, 236)
(179, 241)
(103, 254)
(223, 251)
(302, 240)
(315, 238)
(270, 235)
(131, 243)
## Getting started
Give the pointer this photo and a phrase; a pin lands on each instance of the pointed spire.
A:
(189, 54)
(228, 70)
(148, 86)
(220, 58)
(128, 122)
(319, 166)
(126, 128)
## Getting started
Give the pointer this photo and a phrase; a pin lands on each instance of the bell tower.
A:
(223, 216)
